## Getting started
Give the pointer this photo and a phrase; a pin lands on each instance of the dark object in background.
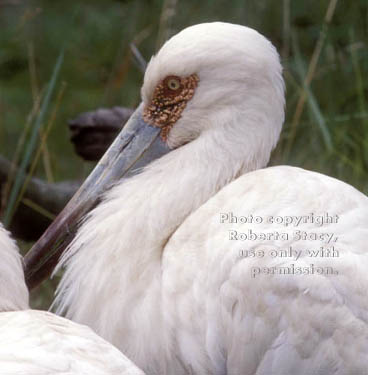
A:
(28, 224)
(93, 132)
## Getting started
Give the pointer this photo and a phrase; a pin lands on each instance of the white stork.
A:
(204, 263)
(40, 343)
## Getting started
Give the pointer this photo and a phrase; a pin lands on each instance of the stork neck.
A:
(116, 257)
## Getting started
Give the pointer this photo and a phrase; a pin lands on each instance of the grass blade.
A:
(310, 98)
(31, 145)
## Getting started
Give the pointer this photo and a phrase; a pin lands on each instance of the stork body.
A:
(40, 343)
(192, 290)
(154, 270)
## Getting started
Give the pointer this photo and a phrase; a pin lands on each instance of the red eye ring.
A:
(172, 85)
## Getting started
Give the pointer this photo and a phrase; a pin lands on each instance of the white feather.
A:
(152, 269)
(41, 343)
(13, 290)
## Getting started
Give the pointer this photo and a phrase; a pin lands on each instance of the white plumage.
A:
(40, 343)
(13, 289)
(154, 271)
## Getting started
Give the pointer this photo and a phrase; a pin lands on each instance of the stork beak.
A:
(136, 145)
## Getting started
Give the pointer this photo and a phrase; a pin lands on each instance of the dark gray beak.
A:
(136, 145)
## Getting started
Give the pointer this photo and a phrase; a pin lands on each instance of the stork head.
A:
(211, 76)
(13, 290)
(213, 81)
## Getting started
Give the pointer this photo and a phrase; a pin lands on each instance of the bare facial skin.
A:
(169, 99)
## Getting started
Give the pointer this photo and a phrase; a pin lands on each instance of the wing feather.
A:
(258, 315)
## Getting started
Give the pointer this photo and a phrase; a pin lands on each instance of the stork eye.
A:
(173, 84)
(169, 99)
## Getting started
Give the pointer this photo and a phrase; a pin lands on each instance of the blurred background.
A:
(60, 59)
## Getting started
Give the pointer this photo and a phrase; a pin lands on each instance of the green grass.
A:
(329, 135)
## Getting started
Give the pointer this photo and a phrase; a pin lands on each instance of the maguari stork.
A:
(204, 261)
(41, 343)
